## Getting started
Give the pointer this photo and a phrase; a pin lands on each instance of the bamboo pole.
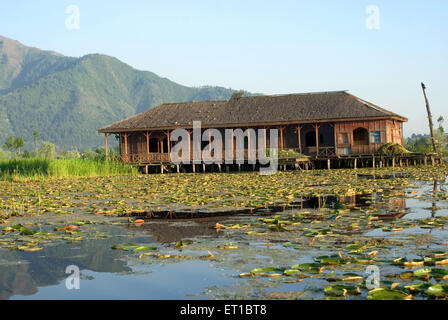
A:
(431, 128)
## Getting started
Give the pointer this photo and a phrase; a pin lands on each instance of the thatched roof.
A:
(239, 110)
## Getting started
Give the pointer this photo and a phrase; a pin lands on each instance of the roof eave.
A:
(247, 124)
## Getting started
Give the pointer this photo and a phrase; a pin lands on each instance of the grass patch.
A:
(37, 168)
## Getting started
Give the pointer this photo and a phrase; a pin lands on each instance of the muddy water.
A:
(192, 259)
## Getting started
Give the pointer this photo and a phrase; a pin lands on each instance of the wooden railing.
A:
(323, 151)
(146, 158)
(166, 157)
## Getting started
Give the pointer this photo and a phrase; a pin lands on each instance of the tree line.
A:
(12, 149)
(422, 143)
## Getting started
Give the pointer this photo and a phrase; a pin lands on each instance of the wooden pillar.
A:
(299, 135)
(126, 144)
(355, 165)
(168, 141)
(107, 148)
(373, 162)
(248, 146)
(281, 138)
(189, 147)
(147, 134)
(329, 163)
(316, 126)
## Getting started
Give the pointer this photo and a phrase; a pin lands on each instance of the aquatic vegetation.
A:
(43, 168)
(308, 234)
(392, 149)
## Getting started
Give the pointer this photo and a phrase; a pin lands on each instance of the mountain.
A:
(67, 99)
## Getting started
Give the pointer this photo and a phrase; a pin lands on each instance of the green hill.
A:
(67, 99)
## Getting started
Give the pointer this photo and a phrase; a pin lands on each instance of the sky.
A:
(378, 50)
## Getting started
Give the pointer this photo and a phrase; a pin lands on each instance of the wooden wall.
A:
(390, 131)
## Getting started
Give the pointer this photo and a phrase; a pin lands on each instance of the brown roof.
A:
(307, 107)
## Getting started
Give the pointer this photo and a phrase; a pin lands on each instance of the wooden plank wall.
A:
(349, 127)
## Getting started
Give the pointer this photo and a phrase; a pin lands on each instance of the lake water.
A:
(212, 263)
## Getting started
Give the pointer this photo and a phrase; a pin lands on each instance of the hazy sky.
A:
(270, 47)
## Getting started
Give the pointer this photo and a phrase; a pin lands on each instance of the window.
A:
(361, 137)
(375, 137)
(343, 138)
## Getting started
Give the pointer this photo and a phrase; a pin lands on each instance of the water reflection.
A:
(22, 273)
(181, 229)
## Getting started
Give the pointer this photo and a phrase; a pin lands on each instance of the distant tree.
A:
(3, 155)
(422, 143)
(19, 143)
(35, 137)
(70, 154)
(89, 155)
(14, 145)
(47, 150)
(10, 144)
(26, 154)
